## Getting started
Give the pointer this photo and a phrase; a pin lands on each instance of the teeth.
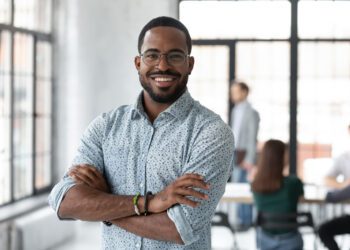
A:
(163, 79)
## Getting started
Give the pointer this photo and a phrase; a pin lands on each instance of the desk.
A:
(241, 193)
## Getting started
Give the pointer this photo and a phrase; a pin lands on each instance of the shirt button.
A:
(137, 245)
(141, 185)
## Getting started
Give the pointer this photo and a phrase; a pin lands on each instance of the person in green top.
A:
(275, 193)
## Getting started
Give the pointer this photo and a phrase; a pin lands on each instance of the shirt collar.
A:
(181, 106)
(137, 108)
(178, 109)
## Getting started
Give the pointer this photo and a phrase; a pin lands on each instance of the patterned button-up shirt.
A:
(135, 155)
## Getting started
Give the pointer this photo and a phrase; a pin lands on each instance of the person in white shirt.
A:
(341, 167)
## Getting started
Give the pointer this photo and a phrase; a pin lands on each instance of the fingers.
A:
(193, 193)
(192, 180)
(80, 177)
(186, 201)
(86, 173)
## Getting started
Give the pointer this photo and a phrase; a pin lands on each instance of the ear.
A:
(190, 64)
(137, 62)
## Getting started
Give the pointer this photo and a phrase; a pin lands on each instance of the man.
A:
(245, 124)
(166, 143)
(341, 167)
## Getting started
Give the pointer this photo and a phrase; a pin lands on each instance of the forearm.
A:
(85, 203)
(333, 183)
(154, 226)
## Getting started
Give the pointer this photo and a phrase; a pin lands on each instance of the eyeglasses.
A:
(173, 58)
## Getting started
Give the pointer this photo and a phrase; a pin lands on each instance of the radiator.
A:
(40, 230)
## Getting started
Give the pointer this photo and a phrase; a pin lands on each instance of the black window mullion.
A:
(293, 153)
(12, 82)
(34, 115)
(232, 72)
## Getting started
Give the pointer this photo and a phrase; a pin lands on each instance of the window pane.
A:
(323, 101)
(4, 180)
(43, 98)
(43, 60)
(5, 122)
(43, 170)
(23, 136)
(324, 19)
(43, 135)
(33, 14)
(236, 19)
(23, 75)
(209, 80)
(5, 11)
(23, 176)
(264, 66)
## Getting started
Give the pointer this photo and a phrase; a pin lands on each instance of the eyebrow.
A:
(157, 50)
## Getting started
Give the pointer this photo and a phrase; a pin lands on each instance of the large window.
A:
(295, 57)
(25, 98)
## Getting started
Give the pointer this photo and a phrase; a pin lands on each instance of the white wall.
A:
(95, 43)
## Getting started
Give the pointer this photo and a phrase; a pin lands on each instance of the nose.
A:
(163, 63)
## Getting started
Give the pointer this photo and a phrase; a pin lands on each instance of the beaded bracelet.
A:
(134, 201)
(146, 202)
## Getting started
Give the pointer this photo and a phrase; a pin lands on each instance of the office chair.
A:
(287, 221)
(220, 219)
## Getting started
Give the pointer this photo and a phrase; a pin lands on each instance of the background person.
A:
(275, 193)
(245, 125)
(341, 167)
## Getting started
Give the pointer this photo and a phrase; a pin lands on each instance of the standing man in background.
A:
(245, 124)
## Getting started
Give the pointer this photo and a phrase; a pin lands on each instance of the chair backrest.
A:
(284, 220)
(221, 219)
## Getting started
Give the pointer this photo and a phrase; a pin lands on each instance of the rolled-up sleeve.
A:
(212, 157)
(89, 152)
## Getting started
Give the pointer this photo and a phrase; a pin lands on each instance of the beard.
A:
(165, 96)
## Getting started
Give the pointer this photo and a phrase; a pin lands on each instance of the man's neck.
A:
(152, 108)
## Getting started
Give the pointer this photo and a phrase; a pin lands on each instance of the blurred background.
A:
(63, 62)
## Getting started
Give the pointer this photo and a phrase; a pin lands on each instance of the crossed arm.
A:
(97, 204)
(332, 182)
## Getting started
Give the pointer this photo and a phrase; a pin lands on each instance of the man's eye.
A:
(152, 56)
(176, 57)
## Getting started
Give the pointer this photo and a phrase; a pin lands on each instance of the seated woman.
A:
(275, 193)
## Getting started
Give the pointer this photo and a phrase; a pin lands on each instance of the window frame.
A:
(293, 41)
(37, 37)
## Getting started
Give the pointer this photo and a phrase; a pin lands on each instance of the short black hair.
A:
(164, 21)
(243, 86)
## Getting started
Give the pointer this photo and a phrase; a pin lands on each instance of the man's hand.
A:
(90, 176)
(246, 166)
(176, 193)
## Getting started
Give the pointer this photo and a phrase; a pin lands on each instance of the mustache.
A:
(167, 72)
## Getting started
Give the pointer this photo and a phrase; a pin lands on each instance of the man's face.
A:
(164, 82)
(237, 94)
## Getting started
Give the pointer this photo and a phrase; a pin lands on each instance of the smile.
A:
(163, 79)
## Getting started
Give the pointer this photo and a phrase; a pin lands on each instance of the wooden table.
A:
(241, 193)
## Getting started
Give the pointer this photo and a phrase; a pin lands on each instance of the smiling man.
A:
(155, 171)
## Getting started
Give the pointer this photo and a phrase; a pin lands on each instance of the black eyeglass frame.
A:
(166, 58)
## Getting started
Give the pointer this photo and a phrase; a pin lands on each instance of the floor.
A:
(88, 238)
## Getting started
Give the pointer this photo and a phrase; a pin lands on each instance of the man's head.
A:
(164, 62)
(239, 92)
(165, 21)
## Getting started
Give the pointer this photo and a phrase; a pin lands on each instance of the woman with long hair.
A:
(275, 193)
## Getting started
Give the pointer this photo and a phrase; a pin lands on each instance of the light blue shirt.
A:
(237, 117)
(137, 156)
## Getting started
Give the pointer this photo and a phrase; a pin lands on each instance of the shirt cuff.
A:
(176, 214)
(57, 194)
